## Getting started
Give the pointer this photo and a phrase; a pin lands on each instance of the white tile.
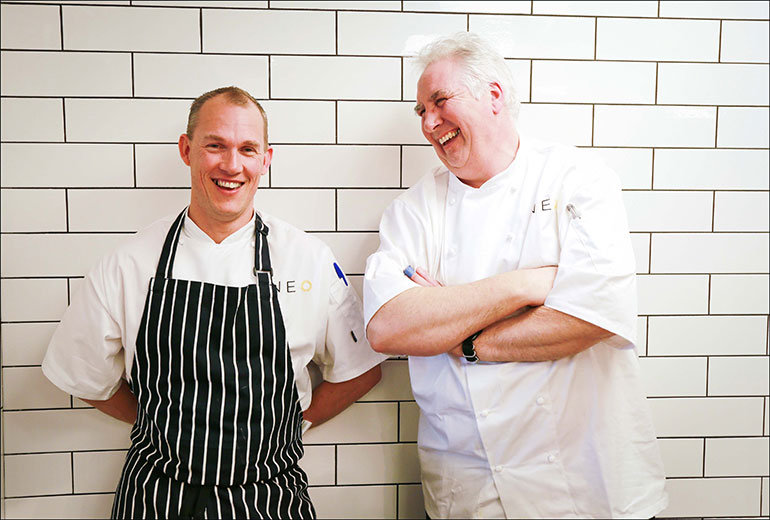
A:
(66, 165)
(710, 253)
(32, 299)
(744, 41)
(654, 126)
(365, 5)
(351, 249)
(25, 343)
(385, 464)
(361, 210)
(160, 166)
(641, 245)
(190, 75)
(203, 3)
(418, 161)
(593, 82)
(122, 210)
(713, 84)
(126, 120)
(478, 6)
(29, 475)
(97, 471)
(394, 385)
(131, 29)
(28, 388)
(317, 121)
(674, 377)
(409, 420)
(392, 34)
(538, 36)
(76, 73)
(743, 127)
(706, 335)
(361, 422)
(657, 40)
(738, 375)
(396, 123)
(673, 294)
(682, 457)
(705, 416)
(711, 169)
(765, 496)
(334, 166)
(66, 506)
(318, 77)
(741, 211)
(32, 210)
(714, 496)
(30, 27)
(604, 8)
(31, 119)
(268, 32)
(566, 124)
(63, 430)
(633, 165)
(319, 464)
(411, 503)
(668, 210)
(355, 502)
(714, 9)
(520, 70)
(739, 294)
(737, 457)
(309, 210)
(21, 256)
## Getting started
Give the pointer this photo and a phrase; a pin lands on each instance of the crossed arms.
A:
(431, 319)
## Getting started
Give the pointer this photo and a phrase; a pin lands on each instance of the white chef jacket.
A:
(94, 345)
(557, 439)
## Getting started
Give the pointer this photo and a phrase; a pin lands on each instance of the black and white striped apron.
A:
(218, 430)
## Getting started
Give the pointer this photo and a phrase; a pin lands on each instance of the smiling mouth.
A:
(448, 136)
(228, 185)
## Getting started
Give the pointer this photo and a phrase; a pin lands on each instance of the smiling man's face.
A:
(227, 157)
(459, 126)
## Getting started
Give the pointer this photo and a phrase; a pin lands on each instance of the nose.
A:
(430, 121)
(231, 162)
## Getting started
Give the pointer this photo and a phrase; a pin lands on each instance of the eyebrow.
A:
(214, 137)
(433, 97)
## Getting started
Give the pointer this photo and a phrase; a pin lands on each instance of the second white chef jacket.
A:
(560, 439)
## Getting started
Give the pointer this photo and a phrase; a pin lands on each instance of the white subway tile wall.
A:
(672, 95)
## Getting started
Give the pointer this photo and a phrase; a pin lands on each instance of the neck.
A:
(498, 158)
(217, 229)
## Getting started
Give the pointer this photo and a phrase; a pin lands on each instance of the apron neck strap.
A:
(261, 249)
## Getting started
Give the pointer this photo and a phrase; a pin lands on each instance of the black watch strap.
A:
(469, 351)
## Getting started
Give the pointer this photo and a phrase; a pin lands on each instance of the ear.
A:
(184, 148)
(496, 93)
(267, 158)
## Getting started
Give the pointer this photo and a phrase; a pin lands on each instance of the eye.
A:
(214, 146)
(440, 101)
(249, 150)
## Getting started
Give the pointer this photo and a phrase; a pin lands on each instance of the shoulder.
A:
(424, 193)
(574, 167)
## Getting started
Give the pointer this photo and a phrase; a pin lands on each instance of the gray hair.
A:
(481, 64)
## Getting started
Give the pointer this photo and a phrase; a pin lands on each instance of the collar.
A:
(191, 231)
(512, 177)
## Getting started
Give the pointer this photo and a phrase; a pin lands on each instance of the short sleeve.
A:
(596, 274)
(346, 353)
(402, 244)
(85, 355)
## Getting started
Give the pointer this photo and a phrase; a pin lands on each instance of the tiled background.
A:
(674, 95)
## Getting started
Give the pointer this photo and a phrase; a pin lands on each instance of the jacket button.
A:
(484, 413)
(498, 469)
(540, 400)
(551, 458)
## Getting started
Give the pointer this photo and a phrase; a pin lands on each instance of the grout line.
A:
(713, 209)
(656, 82)
(133, 158)
(593, 122)
(336, 33)
(67, 215)
(200, 27)
(72, 469)
(596, 36)
(401, 167)
(658, 15)
(719, 53)
(133, 79)
(64, 119)
(61, 26)
(716, 128)
(336, 209)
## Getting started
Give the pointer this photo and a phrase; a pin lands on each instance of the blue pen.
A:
(340, 275)
(409, 271)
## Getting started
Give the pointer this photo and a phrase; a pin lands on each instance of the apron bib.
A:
(218, 430)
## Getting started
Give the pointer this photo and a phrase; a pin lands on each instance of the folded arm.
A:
(430, 320)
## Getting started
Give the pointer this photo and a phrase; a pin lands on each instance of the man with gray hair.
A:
(525, 374)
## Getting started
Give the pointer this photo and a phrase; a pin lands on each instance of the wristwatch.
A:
(469, 351)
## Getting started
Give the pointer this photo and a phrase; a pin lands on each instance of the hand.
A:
(538, 282)
(420, 277)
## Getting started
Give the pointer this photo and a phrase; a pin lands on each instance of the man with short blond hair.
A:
(184, 333)
(528, 385)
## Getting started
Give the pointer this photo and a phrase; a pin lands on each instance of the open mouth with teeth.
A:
(227, 185)
(449, 136)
